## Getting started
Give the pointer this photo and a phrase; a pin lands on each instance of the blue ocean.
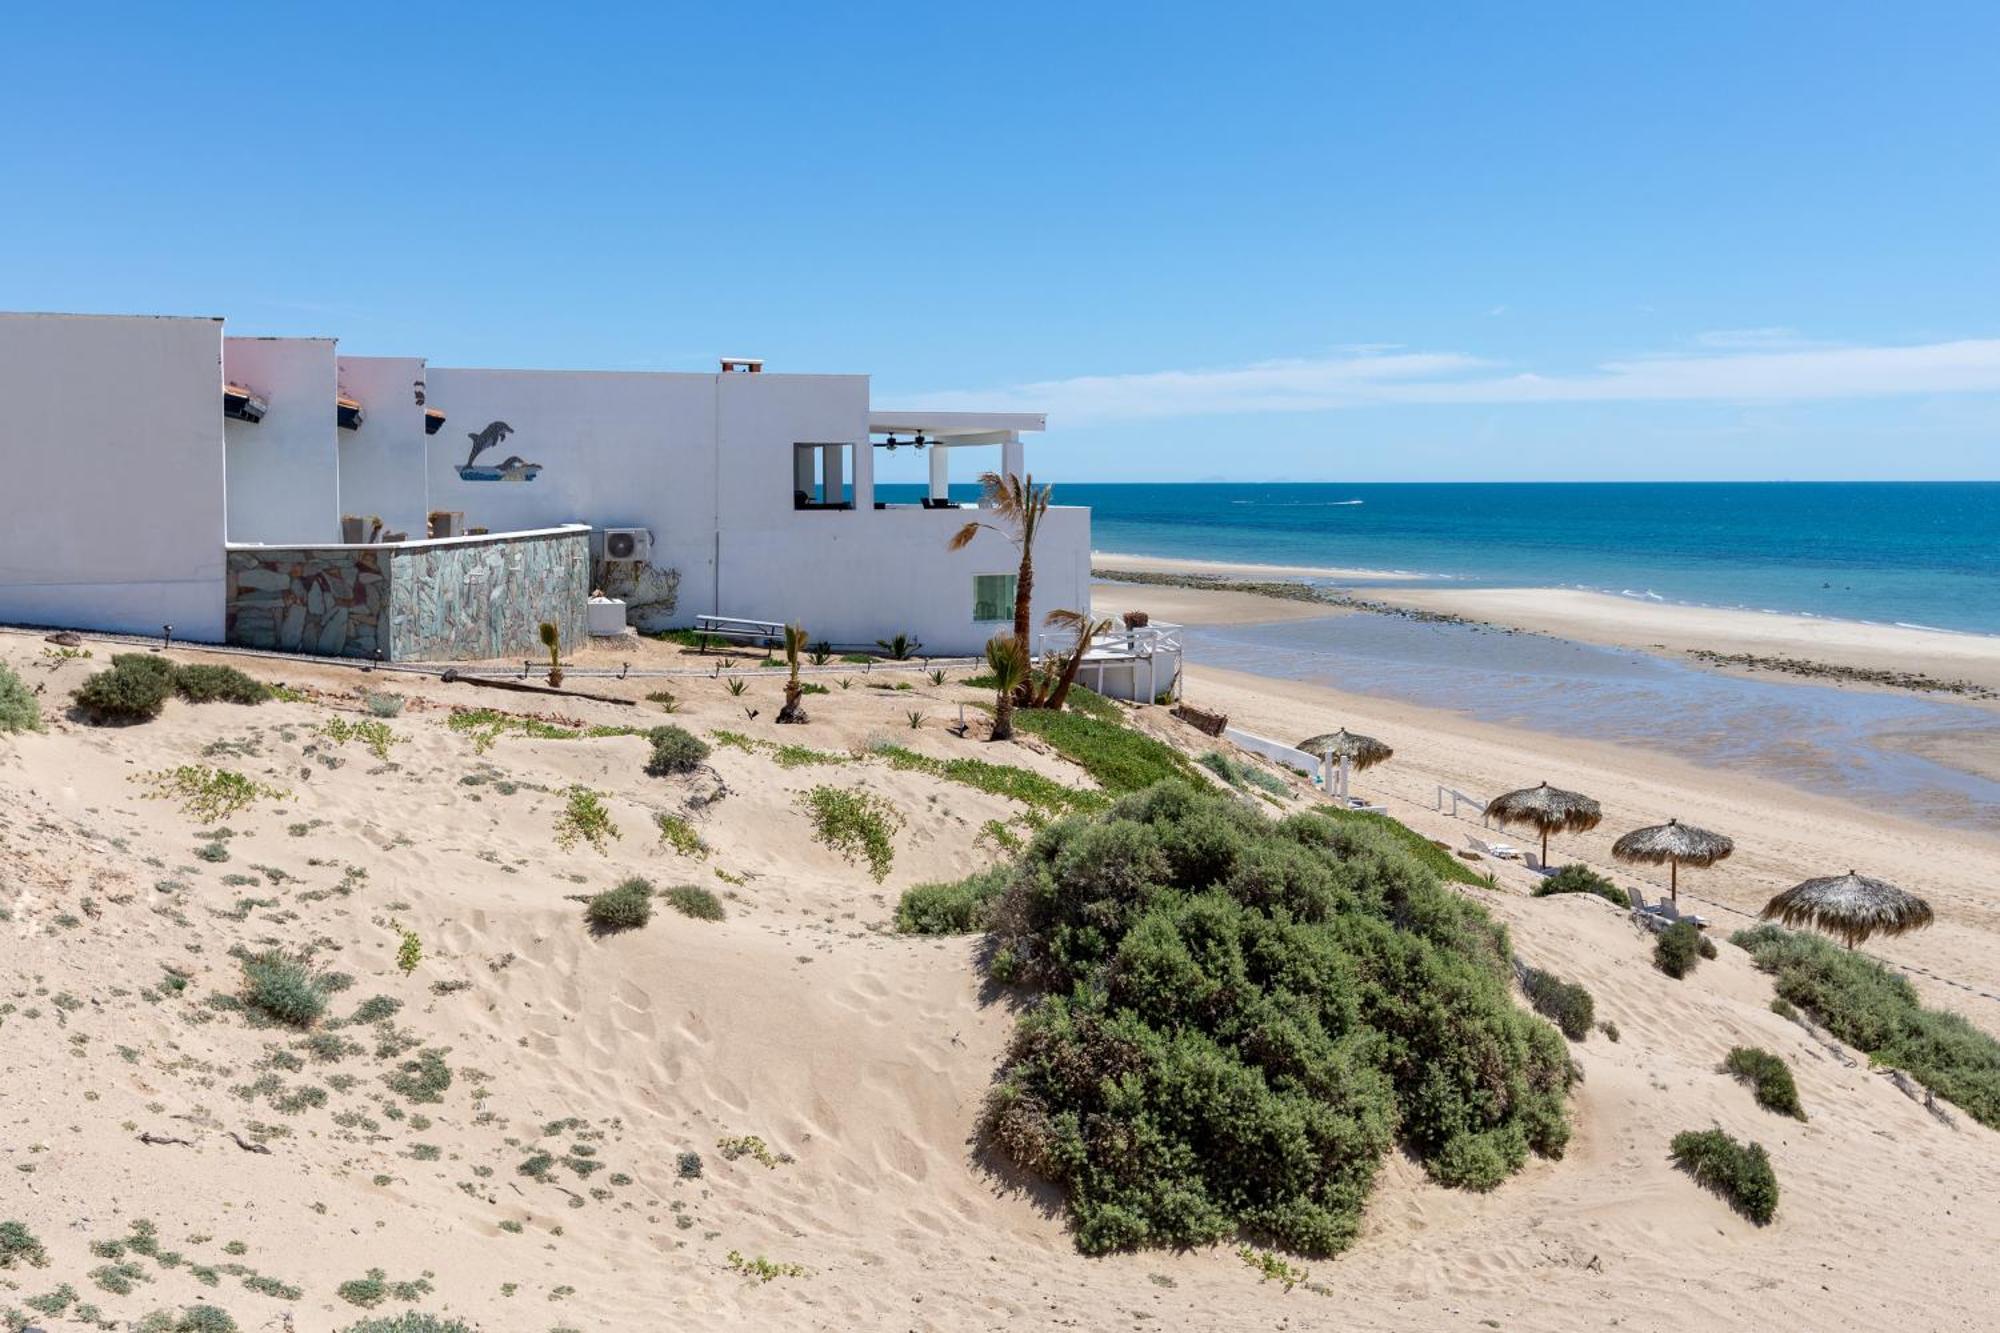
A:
(1893, 553)
(1915, 553)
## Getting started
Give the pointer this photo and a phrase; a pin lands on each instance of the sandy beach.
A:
(858, 1058)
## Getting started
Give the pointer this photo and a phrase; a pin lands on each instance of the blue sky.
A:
(1325, 242)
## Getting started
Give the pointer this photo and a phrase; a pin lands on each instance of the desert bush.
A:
(1739, 1173)
(284, 988)
(1769, 1078)
(18, 1246)
(1438, 860)
(215, 684)
(382, 704)
(1678, 949)
(1866, 1005)
(585, 819)
(411, 1321)
(1241, 1017)
(626, 907)
(695, 901)
(857, 824)
(679, 833)
(133, 689)
(18, 709)
(196, 1318)
(1240, 774)
(1564, 1003)
(208, 794)
(955, 908)
(675, 750)
(1579, 878)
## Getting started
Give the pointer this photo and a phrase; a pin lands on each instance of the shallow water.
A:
(1849, 743)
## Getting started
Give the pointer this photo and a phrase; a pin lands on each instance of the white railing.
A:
(1454, 795)
(1151, 653)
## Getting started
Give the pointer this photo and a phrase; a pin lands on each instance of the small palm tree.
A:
(1018, 504)
(1086, 628)
(795, 642)
(901, 648)
(1007, 657)
(552, 640)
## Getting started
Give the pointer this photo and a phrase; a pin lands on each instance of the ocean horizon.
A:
(1922, 554)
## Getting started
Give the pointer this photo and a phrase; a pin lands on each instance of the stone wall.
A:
(318, 599)
(455, 600)
(462, 601)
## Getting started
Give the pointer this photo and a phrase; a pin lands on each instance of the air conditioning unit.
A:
(635, 544)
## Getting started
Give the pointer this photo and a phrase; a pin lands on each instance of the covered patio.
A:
(936, 434)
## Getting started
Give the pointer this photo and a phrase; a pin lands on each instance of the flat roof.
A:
(960, 427)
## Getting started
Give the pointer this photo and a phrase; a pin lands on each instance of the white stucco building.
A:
(275, 492)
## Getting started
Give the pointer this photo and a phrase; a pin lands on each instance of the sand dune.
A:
(859, 1055)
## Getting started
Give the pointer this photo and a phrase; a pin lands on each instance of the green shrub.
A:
(1741, 1174)
(18, 709)
(585, 818)
(1678, 949)
(695, 901)
(855, 824)
(1867, 1006)
(1241, 775)
(411, 1321)
(1120, 759)
(216, 684)
(1438, 860)
(1241, 1017)
(194, 1319)
(675, 750)
(1564, 1003)
(626, 907)
(19, 1246)
(134, 689)
(1768, 1076)
(1579, 878)
(955, 908)
(677, 832)
(284, 989)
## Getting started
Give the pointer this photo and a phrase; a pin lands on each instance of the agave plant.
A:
(1007, 659)
(795, 642)
(900, 649)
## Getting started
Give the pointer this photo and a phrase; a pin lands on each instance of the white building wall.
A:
(284, 471)
(112, 473)
(705, 462)
(383, 468)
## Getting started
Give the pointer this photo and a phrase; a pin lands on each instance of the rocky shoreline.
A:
(1799, 666)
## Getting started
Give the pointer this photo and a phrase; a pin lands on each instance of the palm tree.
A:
(552, 640)
(1007, 657)
(1015, 502)
(1086, 629)
(795, 642)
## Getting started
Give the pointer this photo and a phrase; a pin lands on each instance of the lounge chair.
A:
(1500, 851)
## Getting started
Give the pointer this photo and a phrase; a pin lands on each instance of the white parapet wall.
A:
(284, 471)
(383, 472)
(112, 473)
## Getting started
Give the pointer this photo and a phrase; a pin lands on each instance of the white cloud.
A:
(1367, 378)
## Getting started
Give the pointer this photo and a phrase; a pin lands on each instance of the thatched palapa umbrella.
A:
(1851, 906)
(1550, 809)
(1358, 752)
(1676, 844)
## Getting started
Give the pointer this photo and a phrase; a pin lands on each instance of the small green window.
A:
(993, 596)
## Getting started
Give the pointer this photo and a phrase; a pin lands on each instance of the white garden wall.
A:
(383, 470)
(284, 471)
(111, 450)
